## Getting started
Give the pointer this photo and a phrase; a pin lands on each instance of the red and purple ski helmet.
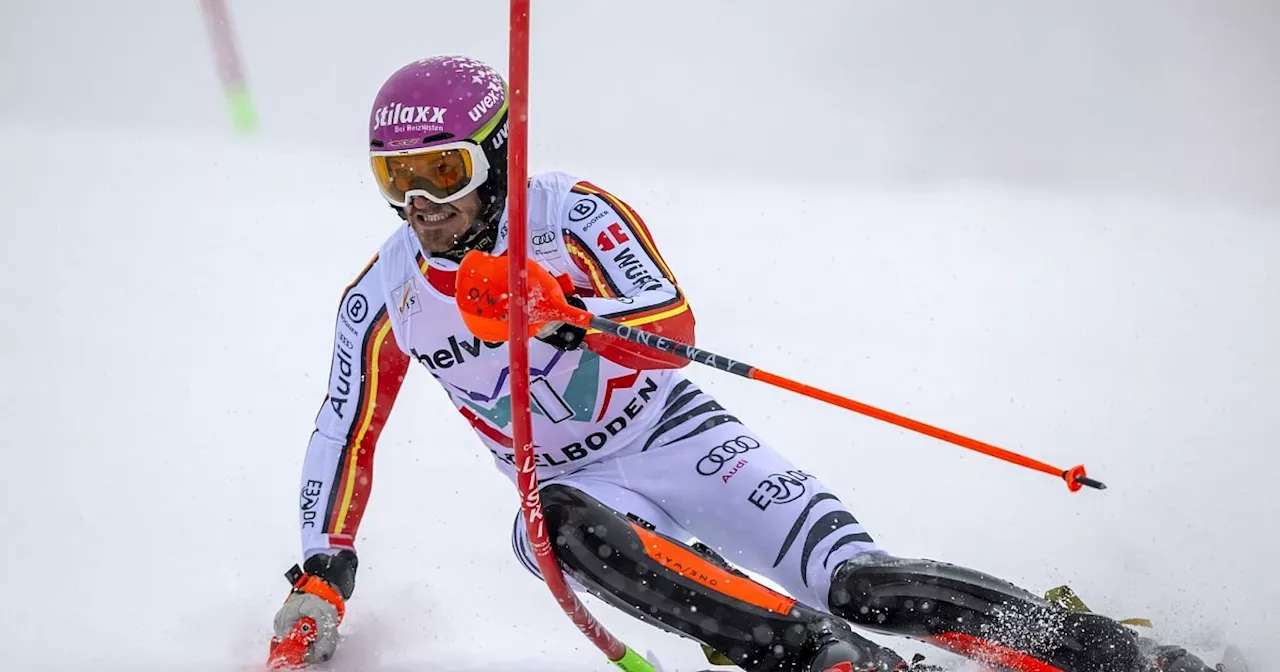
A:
(440, 104)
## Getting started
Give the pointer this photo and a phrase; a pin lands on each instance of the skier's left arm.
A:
(621, 276)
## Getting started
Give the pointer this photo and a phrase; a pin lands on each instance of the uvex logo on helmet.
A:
(394, 113)
(499, 138)
(491, 100)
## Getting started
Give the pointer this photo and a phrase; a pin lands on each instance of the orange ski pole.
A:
(1075, 477)
(482, 301)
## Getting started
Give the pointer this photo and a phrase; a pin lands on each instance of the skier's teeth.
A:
(439, 216)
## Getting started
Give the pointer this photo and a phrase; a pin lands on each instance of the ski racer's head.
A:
(438, 147)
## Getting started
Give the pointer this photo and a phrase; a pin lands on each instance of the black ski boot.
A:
(1177, 659)
(839, 648)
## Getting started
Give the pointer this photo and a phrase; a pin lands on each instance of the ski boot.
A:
(1177, 659)
(1160, 657)
(839, 648)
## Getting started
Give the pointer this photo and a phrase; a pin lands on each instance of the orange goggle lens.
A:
(440, 173)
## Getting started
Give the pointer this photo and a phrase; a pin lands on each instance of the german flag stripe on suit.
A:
(383, 366)
(602, 282)
(582, 255)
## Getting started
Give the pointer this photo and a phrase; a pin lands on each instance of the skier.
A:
(635, 460)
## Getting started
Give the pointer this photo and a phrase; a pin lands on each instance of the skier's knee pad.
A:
(664, 582)
(967, 610)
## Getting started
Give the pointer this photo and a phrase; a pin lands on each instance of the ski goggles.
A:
(441, 173)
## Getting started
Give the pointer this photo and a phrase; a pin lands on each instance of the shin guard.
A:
(624, 562)
(979, 616)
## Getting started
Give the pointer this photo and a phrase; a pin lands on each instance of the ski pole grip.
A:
(1076, 479)
(1096, 485)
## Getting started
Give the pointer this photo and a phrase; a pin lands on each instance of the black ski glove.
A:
(337, 570)
(306, 626)
(562, 335)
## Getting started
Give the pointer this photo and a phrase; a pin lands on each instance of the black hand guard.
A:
(568, 336)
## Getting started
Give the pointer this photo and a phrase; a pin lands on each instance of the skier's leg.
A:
(609, 493)
(721, 483)
(978, 615)
(626, 562)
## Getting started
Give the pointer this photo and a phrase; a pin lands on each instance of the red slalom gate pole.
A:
(522, 431)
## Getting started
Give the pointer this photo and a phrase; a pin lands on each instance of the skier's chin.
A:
(437, 240)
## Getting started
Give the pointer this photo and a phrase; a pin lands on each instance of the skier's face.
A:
(440, 225)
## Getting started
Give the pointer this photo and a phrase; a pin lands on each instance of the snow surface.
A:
(168, 308)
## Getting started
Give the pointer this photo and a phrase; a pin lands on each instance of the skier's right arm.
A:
(365, 376)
